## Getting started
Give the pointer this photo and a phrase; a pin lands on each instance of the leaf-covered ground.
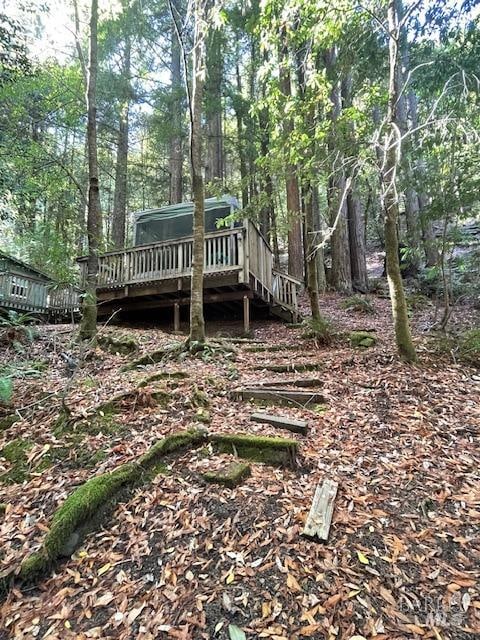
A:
(182, 559)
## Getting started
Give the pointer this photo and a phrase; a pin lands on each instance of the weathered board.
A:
(290, 368)
(282, 422)
(280, 396)
(307, 383)
(321, 512)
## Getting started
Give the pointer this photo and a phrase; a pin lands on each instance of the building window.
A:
(18, 288)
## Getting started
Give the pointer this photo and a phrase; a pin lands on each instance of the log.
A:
(321, 512)
(280, 397)
(281, 422)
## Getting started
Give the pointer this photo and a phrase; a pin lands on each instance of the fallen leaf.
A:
(363, 558)
(236, 633)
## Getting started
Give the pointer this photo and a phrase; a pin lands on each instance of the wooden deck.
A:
(238, 266)
(27, 294)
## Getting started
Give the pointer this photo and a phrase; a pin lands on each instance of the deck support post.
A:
(246, 314)
(176, 318)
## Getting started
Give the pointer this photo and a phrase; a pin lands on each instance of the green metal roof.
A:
(25, 265)
(184, 208)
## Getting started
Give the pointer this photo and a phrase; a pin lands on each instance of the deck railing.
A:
(165, 260)
(25, 293)
(241, 249)
(285, 289)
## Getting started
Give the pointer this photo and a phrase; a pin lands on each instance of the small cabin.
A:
(155, 273)
(24, 288)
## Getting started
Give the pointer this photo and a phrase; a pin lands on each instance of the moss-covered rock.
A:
(203, 415)
(274, 451)
(362, 339)
(230, 477)
(122, 345)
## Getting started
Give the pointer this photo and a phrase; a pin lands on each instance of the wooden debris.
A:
(289, 382)
(321, 511)
(274, 451)
(290, 368)
(281, 422)
(280, 397)
(231, 476)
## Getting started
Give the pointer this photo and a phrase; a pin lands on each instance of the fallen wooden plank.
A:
(321, 512)
(280, 397)
(289, 368)
(305, 382)
(281, 422)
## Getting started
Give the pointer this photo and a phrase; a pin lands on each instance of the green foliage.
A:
(17, 327)
(362, 304)
(320, 330)
(6, 390)
(469, 347)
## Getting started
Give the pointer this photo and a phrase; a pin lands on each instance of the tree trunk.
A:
(239, 109)
(391, 165)
(294, 211)
(310, 251)
(341, 276)
(356, 237)
(214, 169)
(176, 159)
(88, 325)
(120, 195)
(319, 252)
(197, 323)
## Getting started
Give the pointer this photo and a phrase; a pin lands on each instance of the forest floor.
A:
(178, 558)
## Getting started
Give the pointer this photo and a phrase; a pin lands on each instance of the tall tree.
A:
(176, 155)
(120, 194)
(390, 198)
(195, 91)
(294, 211)
(341, 275)
(88, 325)
(214, 165)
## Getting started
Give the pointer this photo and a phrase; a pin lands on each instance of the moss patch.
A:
(15, 452)
(153, 357)
(274, 451)
(87, 503)
(8, 421)
(362, 339)
(123, 345)
(163, 375)
(231, 476)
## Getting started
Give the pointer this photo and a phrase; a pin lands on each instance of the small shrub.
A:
(17, 328)
(469, 346)
(362, 304)
(320, 330)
